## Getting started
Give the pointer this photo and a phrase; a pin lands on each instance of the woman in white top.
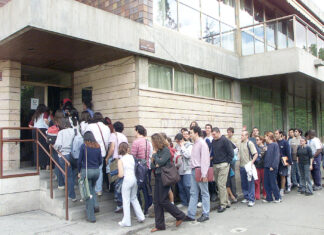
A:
(40, 121)
(126, 169)
(85, 118)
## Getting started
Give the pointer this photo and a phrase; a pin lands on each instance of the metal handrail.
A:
(49, 154)
(284, 18)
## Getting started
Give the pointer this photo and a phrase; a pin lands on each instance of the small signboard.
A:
(146, 46)
(34, 103)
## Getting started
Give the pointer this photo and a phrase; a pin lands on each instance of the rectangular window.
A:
(205, 87)
(189, 21)
(184, 82)
(165, 13)
(160, 77)
(223, 89)
(87, 94)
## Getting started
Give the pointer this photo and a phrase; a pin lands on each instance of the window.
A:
(165, 13)
(87, 94)
(246, 13)
(167, 78)
(223, 89)
(189, 21)
(160, 77)
(311, 40)
(183, 82)
(321, 48)
(210, 30)
(205, 86)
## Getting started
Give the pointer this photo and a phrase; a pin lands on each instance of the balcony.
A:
(281, 33)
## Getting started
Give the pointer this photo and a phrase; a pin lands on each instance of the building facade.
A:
(165, 63)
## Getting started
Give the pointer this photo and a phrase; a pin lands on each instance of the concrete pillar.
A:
(10, 111)
(284, 103)
(236, 91)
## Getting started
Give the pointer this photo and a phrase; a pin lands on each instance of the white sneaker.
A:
(265, 201)
(277, 201)
(60, 187)
(123, 225)
(199, 205)
(282, 192)
(251, 204)
(244, 201)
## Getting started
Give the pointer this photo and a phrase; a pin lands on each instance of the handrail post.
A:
(294, 29)
(37, 150)
(51, 172)
(66, 193)
(1, 153)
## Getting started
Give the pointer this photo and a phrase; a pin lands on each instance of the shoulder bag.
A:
(84, 183)
(169, 175)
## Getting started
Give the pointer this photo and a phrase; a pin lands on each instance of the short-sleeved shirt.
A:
(314, 144)
(244, 152)
(117, 138)
(294, 143)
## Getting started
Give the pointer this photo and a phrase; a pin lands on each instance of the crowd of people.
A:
(269, 166)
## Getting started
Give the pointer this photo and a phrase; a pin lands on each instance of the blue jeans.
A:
(270, 184)
(58, 173)
(184, 189)
(295, 173)
(92, 202)
(194, 194)
(70, 175)
(316, 172)
(305, 180)
(100, 179)
(248, 187)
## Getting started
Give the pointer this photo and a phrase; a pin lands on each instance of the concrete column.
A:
(236, 91)
(10, 111)
(284, 103)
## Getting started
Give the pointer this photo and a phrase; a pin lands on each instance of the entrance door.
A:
(31, 96)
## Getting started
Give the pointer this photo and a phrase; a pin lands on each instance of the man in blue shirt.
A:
(284, 152)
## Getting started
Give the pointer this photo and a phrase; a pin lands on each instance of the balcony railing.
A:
(280, 33)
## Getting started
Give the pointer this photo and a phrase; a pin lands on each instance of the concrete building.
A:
(162, 64)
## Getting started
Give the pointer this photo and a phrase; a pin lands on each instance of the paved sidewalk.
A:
(296, 215)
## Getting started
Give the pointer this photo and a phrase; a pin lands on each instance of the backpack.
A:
(51, 134)
(76, 144)
(140, 171)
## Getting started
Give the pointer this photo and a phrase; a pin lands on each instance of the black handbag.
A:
(169, 175)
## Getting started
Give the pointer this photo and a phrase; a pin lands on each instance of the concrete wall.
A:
(282, 61)
(19, 195)
(10, 111)
(114, 91)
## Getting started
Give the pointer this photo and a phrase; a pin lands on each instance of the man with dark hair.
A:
(248, 154)
(315, 144)
(254, 134)
(284, 152)
(141, 149)
(115, 140)
(291, 134)
(222, 155)
(294, 144)
(182, 162)
(199, 159)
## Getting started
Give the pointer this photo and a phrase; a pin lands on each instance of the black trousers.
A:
(162, 203)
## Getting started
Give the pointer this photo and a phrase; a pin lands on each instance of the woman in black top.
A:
(305, 163)
(90, 159)
(161, 157)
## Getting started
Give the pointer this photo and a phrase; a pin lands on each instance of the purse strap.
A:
(103, 141)
(86, 153)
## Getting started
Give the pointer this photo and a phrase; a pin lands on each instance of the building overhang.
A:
(284, 61)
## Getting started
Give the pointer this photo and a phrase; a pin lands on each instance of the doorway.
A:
(40, 86)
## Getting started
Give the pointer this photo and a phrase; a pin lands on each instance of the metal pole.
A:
(37, 150)
(51, 171)
(66, 193)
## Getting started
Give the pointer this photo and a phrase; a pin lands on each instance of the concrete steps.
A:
(77, 210)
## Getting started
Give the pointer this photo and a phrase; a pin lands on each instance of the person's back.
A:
(141, 149)
(272, 156)
(129, 167)
(64, 141)
(101, 133)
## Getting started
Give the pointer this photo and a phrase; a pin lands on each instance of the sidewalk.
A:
(296, 215)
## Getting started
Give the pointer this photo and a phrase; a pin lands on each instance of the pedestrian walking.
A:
(89, 162)
(161, 158)
(259, 164)
(126, 170)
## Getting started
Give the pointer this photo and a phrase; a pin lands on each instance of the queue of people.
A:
(205, 160)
